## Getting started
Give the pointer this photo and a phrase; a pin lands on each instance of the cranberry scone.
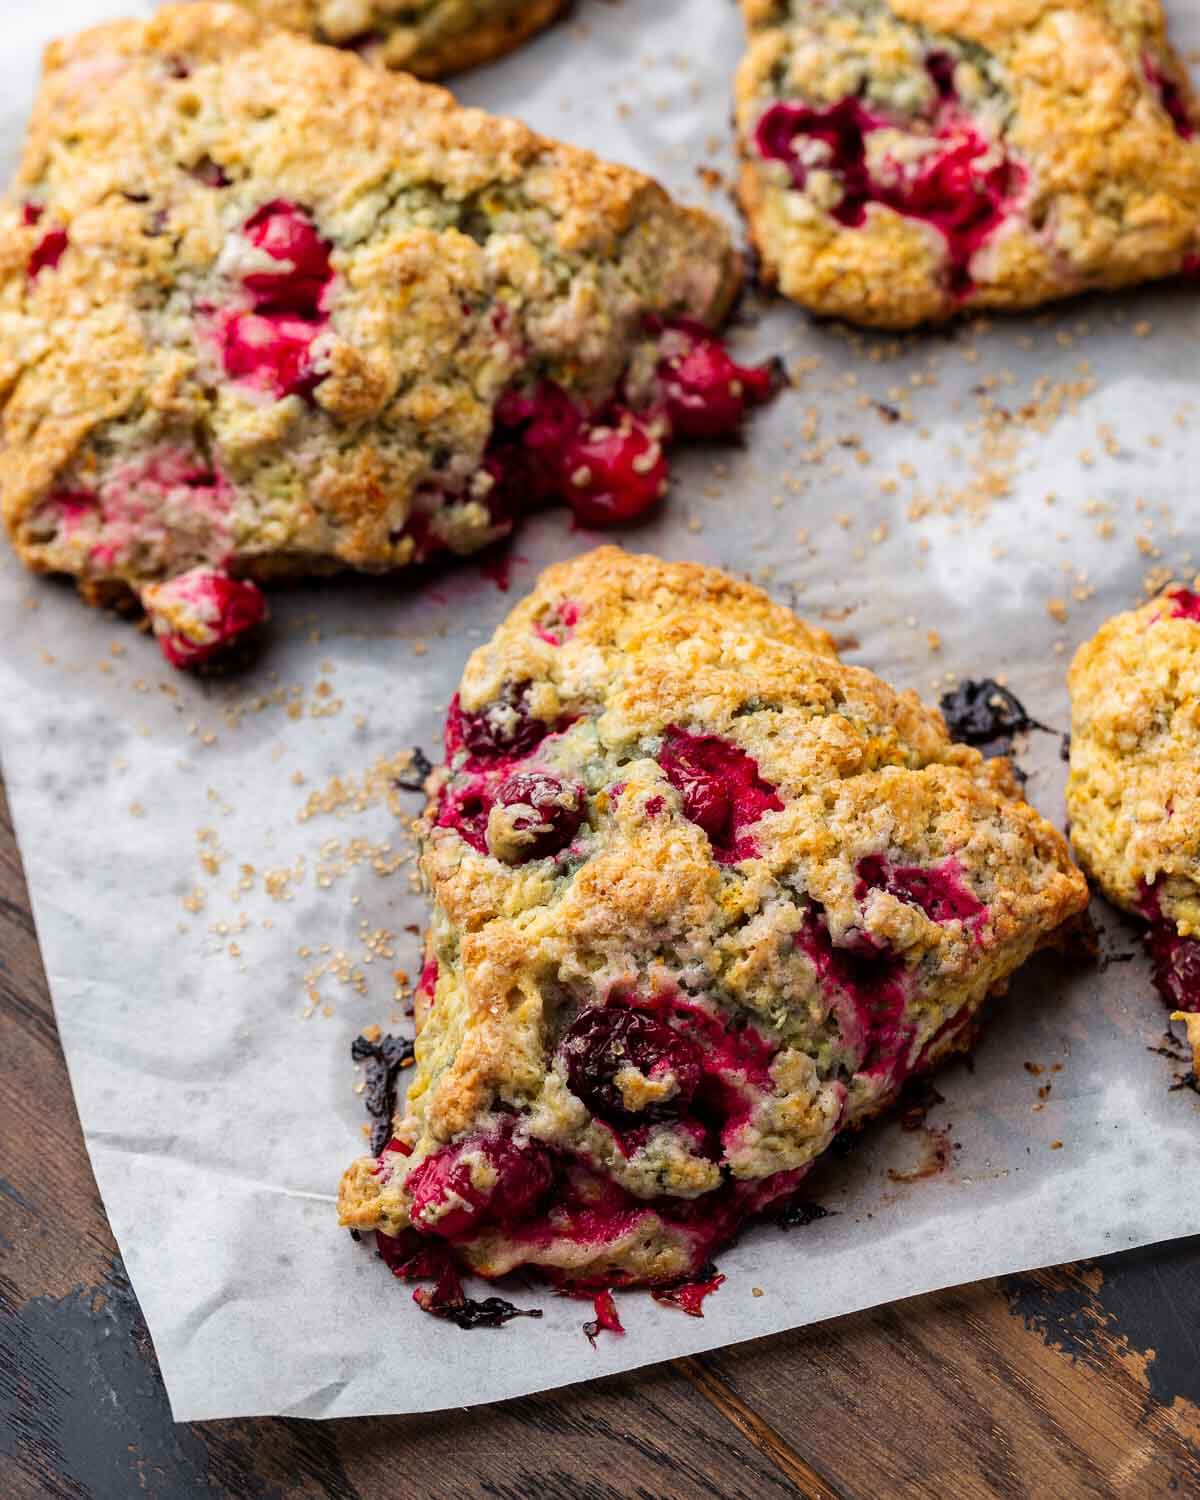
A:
(906, 159)
(266, 311)
(430, 38)
(703, 897)
(1134, 790)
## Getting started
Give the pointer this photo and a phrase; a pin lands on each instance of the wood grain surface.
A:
(1082, 1381)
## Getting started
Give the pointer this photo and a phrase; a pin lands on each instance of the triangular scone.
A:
(266, 310)
(704, 896)
(906, 159)
(1134, 791)
(431, 38)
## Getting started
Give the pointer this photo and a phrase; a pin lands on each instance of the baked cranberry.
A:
(286, 234)
(505, 727)
(1172, 98)
(1175, 959)
(47, 252)
(604, 1039)
(555, 811)
(939, 892)
(842, 128)
(940, 66)
(31, 213)
(614, 474)
(447, 1199)
(1185, 605)
(200, 614)
(720, 788)
(534, 430)
(706, 393)
(272, 351)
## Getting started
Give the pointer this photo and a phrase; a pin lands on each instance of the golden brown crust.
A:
(466, 257)
(442, 37)
(1134, 795)
(853, 791)
(1067, 105)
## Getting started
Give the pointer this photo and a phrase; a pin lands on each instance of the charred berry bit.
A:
(551, 812)
(447, 1199)
(604, 1041)
(1175, 959)
(272, 351)
(939, 892)
(606, 1320)
(614, 473)
(689, 1296)
(706, 394)
(955, 191)
(419, 769)
(986, 715)
(800, 1213)
(201, 613)
(48, 251)
(447, 1301)
(721, 789)
(286, 234)
(384, 1059)
(210, 173)
(940, 67)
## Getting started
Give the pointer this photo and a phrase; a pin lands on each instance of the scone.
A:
(1134, 789)
(703, 897)
(906, 159)
(430, 38)
(266, 311)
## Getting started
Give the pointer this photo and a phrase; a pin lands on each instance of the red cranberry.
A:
(47, 252)
(1172, 98)
(706, 393)
(614, 474)
(31, 213)
(286, 233)
(200, 614)
(842, 128)
(602, 1040)
(557, 810)
(1185, 605)
(270, 350)
(444, 1200)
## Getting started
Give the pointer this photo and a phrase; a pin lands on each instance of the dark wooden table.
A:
(1082, 1381)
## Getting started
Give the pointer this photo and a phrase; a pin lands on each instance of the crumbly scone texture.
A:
(872, 884)
(259, 302)
(906, 159)
(1134, 791)
(431, 38)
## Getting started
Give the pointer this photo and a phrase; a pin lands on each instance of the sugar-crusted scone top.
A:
(430, 38)
(1134, 789)
(904, 159)
(665, 794)
(259, 304)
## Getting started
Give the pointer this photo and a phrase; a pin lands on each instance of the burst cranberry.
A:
(556, 811)
(1172, 98)
(720, 787)
(706, 393)
(939, 892)
(272, 351)
(602, 1040)
(842, 130)
(47, 252)
(286, 234)
(201, 613)
(614, 474)
(485, 1179)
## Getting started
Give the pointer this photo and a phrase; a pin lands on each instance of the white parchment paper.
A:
(214, 940)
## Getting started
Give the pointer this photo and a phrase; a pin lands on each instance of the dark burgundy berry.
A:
(1185, 605)
(505, 727)
(555, 813)
(485, 1179)
(602, 1040)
